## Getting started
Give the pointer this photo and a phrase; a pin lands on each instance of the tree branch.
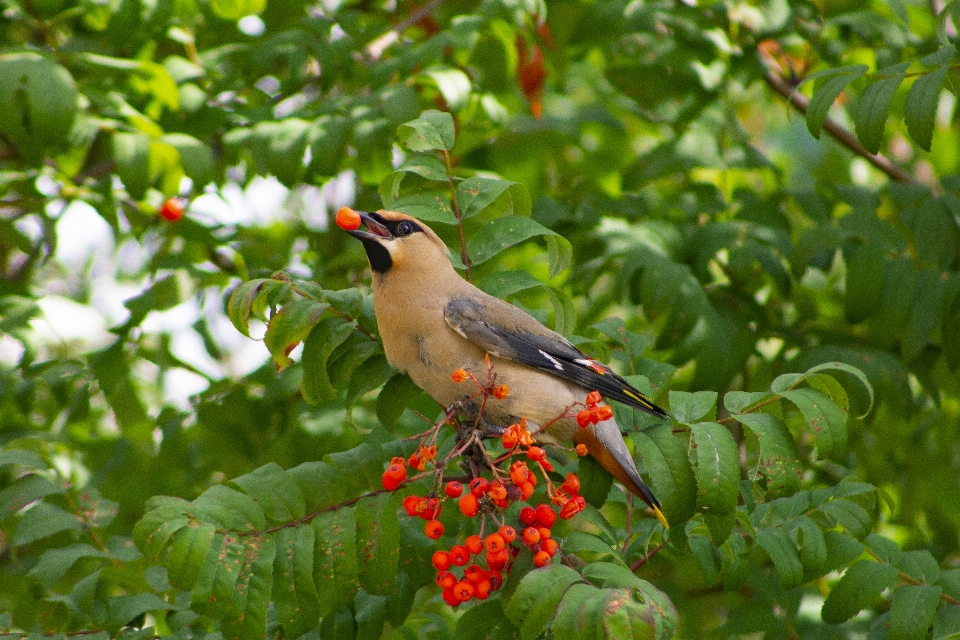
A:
(843, 136)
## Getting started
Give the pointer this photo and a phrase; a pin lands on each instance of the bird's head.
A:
(393, 240)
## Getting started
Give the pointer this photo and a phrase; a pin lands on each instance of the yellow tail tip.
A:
(662, 518)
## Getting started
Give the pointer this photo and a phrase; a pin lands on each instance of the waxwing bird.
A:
(433, 322)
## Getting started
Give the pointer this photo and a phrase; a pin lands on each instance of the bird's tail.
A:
(606, 445)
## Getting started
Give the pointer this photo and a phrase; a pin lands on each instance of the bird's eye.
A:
(404, 229)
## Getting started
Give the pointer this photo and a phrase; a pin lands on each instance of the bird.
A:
(432, 322)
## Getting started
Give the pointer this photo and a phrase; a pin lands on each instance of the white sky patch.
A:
(65, 321)
(82, 233)
(10, 350)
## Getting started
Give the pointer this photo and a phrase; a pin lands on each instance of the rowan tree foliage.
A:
(750, 208)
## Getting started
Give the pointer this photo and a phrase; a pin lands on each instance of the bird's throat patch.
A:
(378, 255)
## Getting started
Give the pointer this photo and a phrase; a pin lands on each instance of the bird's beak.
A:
(375, 230)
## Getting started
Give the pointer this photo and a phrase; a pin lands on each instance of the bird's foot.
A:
(468, 415)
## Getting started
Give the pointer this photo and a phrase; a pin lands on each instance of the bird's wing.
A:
(544, 350)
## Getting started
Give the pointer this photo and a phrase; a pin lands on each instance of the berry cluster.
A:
(484, 559)
(594, 411)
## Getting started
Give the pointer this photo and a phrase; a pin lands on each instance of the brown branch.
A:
(788, 90)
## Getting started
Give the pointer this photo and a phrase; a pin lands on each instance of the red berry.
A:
(396, 471)
(459, 555)
(431, 509)
(171, 210)
(545, 533)
(496, 580)
(433, 529)
(450, 597)
(528, 515)
(593, 398)
(571, 484)
(494, 542)
(348, 219)
(412, 505)
(473, 544)
(497, 561)
(478, 486)
(531, 535)
(536, 454)
(550, 546)
(389, 483)
(604, 412)
(527, 489)
(541, 558)
(453, 489)
(546, 516)
(446, 580)
(441, 560)
(481, 590)
(468, 505)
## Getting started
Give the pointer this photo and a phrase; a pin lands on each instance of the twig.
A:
(376, 48)
(787, 89)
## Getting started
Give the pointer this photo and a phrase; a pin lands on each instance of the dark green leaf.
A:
(870, 115)
(864, 282)
(783, 553)
(326, 335)
(825, 419)
(826, 93)
(396, 395)
(274, 491)
(534, 602)
(188, 553)
(671, 476)
(25, 490)
(777, 458)
(294, 594)
(378, 543)
(859, 587)
(372, 373)
(432, 131)
(289, 326)
(717, 468)
(912, 610)
(502, 233)
(240, 303)
(43, 520)
(579, 615)
(688, 407)
(248, 614)
(920, 108)
(335, 567)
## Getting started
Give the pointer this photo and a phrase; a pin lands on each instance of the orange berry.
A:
(581, 450)
(496, 579)
(545, 533)
(416, 462)
(501, 391)
(536, 454)
(433, 529)
(531, 535)
(459, 555)
(473, 574)
(348, 219)
(413, 505)
(604, 412)
(508, 533)
(494, 542)
(497, 561)
(431, 509)
(509, 438)
(583, 418)
(528, 515)
(458, 376)
(547, 465)
(468, 505)
(396, 471)
(527, 488)
(463, 590)
(541, 558)
(428, 453)
(389, 482)
(497, 491)
(550, 546)
(474, 544)
(446, 580)
(572, 508)
(441, 560)
(171, 210)
(453, 489)
(481, 590)
(594, 398)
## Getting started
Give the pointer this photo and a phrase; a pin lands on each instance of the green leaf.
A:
(849, 515)
(579, 615)
(859, 587)
(378, 543)
(240, 302)
(369, 375)
(131, 157)
(841, 550)
(560, 254)
(43, 520)
(826, 93)
(229, 509)
(581, 542)
(294, 593)
(325, 336)
(478, 621)
(432, 131)
(688, 407)
(738, 401)
(122, 609)
(912, 610)
(394, 398)
(535, 600)
(864, 282)
(920, 107)
(595, 481)
(777, 457)
(826, 419)
(782, 551)
(870, 114)
(946, 624)
(476, 194)
(248, 614)
(213, 593)
(275, 492)
(502, 233)
(454, 86)
(54, 563)
(671, 476)
(23, 458)
(503, 284)
(717, 467)
(426, 206)
(335, 568)
(188, 553)
(920, 565)
(426, 166)
(236, 9)
(23, 491)
(810, 541)
(605, 574)
(289, 326)
(153, 530)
